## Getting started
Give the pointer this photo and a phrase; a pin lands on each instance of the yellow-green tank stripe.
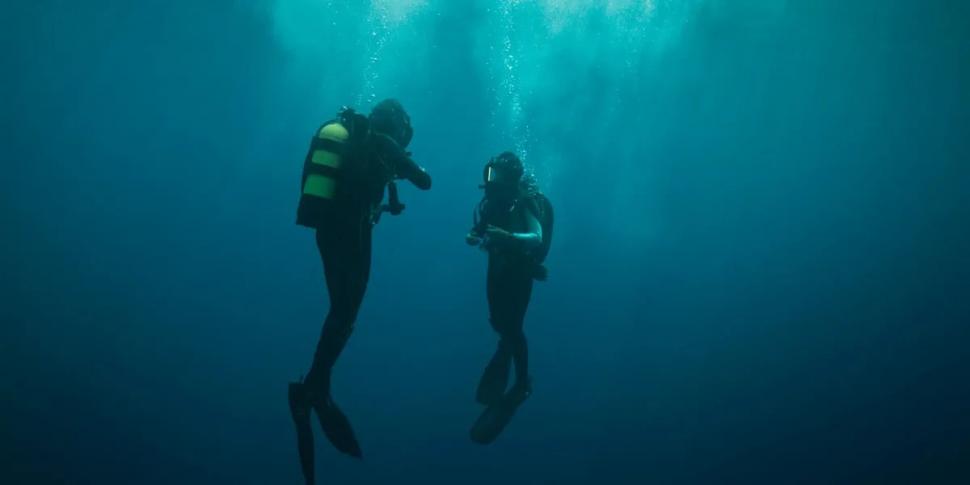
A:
(320, 186)
(323, 157)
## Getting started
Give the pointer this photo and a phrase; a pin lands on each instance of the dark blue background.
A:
(760, 272)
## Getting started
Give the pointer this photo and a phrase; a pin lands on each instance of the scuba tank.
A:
(338, 160)
(322, 168)
(330, 150)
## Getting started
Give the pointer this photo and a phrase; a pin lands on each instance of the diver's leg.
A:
(336, 253)
(495, 378)
(520, 292)
(346, 252)
(316, 386)
(506, 296)
(354, 274)
(346, 282)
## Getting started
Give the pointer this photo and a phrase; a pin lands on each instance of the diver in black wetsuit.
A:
(513, 223)
(350, 162)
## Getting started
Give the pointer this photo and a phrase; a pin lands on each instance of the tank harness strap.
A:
(325, 170)
(330, 146)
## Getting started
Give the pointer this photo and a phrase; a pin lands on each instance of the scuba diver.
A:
(513, 223)
(350, 161)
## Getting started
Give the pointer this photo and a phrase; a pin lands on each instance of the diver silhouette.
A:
(350, 162)
(513, 223)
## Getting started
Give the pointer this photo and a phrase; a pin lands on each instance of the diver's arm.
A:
(528, 240)
(410, 170)
(404, 166)
(533, 238)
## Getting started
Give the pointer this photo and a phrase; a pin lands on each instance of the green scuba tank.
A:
(325, 161)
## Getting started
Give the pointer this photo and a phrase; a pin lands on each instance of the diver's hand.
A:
(472, 239)
(497, 234)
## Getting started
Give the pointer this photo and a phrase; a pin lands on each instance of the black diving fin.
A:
(300, 411)
(497, 416)
(337, 427)
(495, 379)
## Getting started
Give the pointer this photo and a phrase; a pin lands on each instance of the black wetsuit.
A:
(509, 289)
(343, 238)
(343, 217)
(511, 272)
(345, 249)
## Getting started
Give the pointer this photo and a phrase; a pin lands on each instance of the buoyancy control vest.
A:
(546, 218)
(541, 208)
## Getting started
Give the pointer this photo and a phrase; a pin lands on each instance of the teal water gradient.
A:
(760, 273)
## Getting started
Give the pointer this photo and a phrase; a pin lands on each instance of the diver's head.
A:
(388, 117)
(503, 175)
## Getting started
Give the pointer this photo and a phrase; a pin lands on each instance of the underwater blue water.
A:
(760, 272)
